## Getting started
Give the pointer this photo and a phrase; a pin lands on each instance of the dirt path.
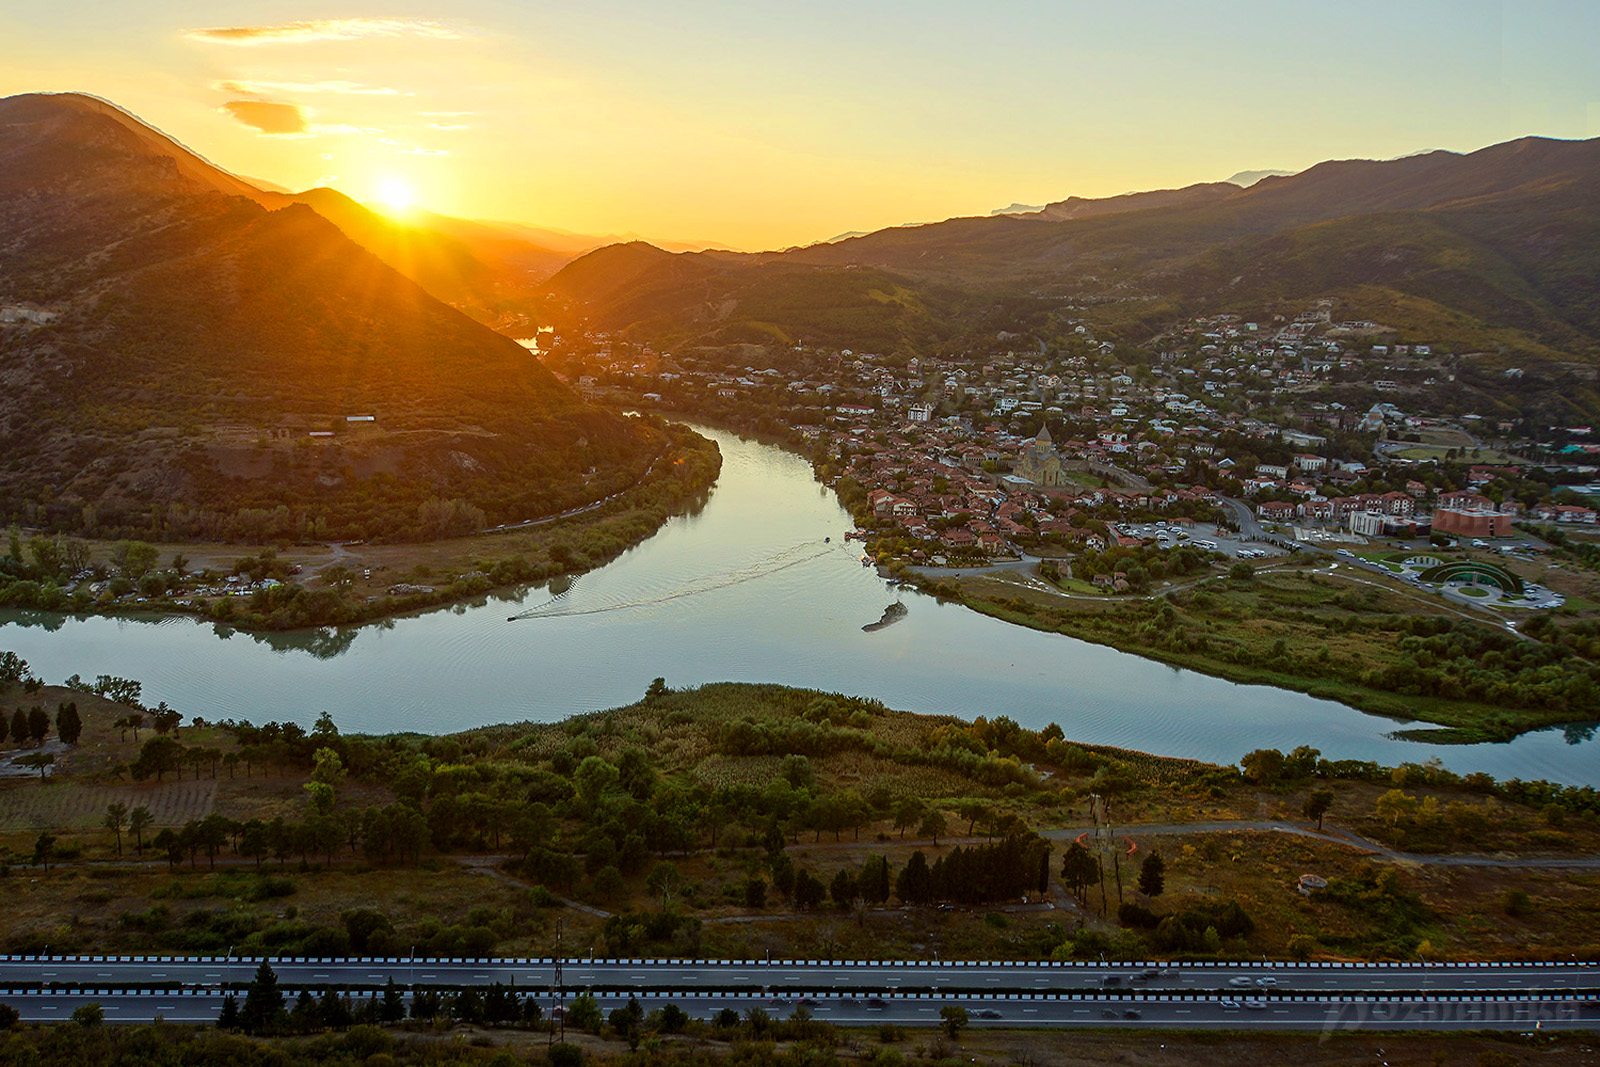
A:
(1330, 834)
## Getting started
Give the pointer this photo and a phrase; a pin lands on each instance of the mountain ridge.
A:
(198, 356)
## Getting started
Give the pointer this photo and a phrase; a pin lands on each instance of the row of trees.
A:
(33, 726)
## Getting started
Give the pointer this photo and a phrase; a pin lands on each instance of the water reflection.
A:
(704, 601)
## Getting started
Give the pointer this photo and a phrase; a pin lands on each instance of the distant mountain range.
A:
(177, 343)
(1495, 251)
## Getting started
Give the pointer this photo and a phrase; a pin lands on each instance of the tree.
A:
(1241, 572)
(1079, 871)
(44, 849)
(664, 881)
(138, 819)
(1318, 804)
(658, 689)
(1152, 875)
(263, 1010)
(608, 884)
(171, 843)
(167, 719)
(584, 1013)
(135, 559)
(116, 819)
(874, 881)
(1263, 766)
(755, 892)
(69, 727)
(843, 888)
(13, 669)
(159, 755)
(808, 890)
(392, 1008)
(19, 727)
(228, 1018)
(593, 777)
(90, 1014)
(974, 811)
(933, 826)
(908, 812)
(915, 884)
(953, 1020)
(327, 768)
(38, 724)
(1394, 806)
(36, 761)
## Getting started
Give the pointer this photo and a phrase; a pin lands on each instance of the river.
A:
(745, 590)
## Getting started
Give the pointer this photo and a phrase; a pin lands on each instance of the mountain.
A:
(1246, 178)
(181, 361)
(1077, 207)
(1496, 250)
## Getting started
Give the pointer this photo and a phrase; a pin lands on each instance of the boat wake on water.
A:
(794, 556)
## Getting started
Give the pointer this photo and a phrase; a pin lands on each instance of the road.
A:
(805, 975)
(1125, 1011)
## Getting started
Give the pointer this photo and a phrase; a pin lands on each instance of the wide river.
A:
(746, 590)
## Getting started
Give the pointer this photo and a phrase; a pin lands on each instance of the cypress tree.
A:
(263, 1003)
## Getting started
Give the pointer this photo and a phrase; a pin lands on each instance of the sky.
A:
(762, 124)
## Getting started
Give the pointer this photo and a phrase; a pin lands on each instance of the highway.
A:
(1209, 995)
(804, 975)
(1512, 1012)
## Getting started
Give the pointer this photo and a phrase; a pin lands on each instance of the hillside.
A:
(183, 359)
(1488, 251)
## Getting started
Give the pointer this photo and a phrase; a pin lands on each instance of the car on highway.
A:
(1228, 1005)
(1132, 1013)
(1241, 982)
(1267, 982)
(1111, 979)
(1254, 1005)
(989, 1013)
(1107, 1013)
(876, 1003)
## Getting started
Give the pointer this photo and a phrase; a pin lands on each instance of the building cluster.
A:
(990, 453)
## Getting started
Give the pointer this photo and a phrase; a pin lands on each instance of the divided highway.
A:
(863, 975)
(1208, 995)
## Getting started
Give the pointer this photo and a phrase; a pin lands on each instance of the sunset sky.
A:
(757, 124)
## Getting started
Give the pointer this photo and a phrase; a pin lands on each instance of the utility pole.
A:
(555, 993)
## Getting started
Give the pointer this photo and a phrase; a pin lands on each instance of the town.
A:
(1249, 437)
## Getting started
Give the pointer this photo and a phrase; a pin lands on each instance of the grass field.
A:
(1287, 628)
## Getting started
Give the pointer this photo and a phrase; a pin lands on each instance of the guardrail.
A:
(634, 961)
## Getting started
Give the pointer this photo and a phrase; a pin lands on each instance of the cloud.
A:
(450, 126)
(268, 116)
(315, 30)
(255, 88)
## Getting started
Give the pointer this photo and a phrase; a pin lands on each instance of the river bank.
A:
(1308, 632)
(1362, 651)
(757, 585)
(288, 587)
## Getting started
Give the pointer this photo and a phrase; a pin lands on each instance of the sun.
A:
(396, 194)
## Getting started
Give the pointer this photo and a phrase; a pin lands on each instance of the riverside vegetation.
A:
(731, 820)
(754, 1040)
(423, 567)
(1380, 649)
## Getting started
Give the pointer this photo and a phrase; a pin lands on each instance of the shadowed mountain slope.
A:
(179, 356)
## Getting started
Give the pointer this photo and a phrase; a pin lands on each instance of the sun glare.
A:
(396, 194)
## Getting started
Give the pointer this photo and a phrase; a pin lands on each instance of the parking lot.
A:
(1202, 535)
